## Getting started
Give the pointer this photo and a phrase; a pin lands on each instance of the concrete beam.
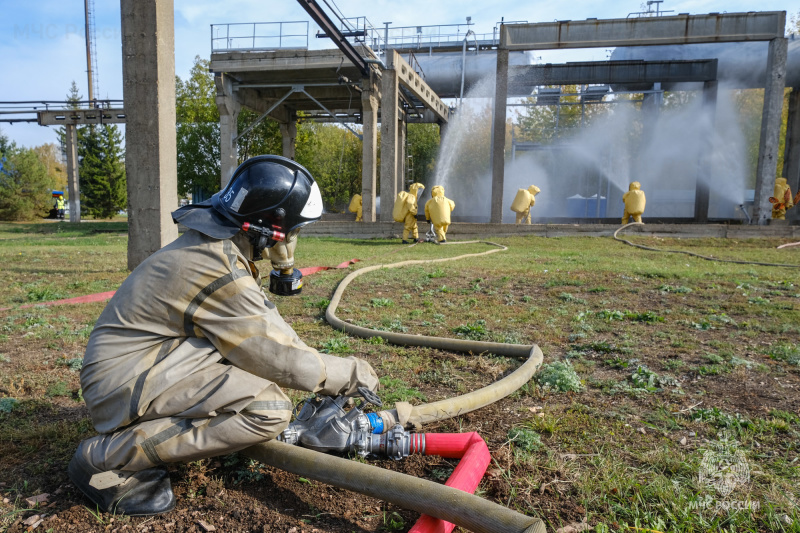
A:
(414, 83)
(72, 174)
(148, 75)
(702, 188)
(229, 108)
(369, 102)
(791, 157)
(770, 130)
(498, 156)
(288, 138)
(390, 93)
(81, 117)
(611, 72)
(400, 175)
(680, 29)
(282, 61)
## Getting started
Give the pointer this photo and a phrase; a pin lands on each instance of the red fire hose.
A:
(475, 459)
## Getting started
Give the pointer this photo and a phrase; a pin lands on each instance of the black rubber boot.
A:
(144, 493)
(405, 242)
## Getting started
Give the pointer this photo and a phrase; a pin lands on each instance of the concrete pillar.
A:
(499, 136)
(390, 87)
(770, 130)
(229, 109)
(791, 158)
(289, 136)
(148, 74)
(369, 104)
(704, 169)
(400, 178)
(72, 174)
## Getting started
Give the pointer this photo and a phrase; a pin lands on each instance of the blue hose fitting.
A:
(376, 422)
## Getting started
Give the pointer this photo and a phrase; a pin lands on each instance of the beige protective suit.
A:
(405, 210)
(783, 197)
(355, 207)
(188, 357)
(523, 201)
(437, 211)
(634, 203)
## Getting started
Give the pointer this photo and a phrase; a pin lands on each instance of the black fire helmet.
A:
(266, 190)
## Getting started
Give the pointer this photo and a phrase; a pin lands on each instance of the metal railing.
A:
(251, 36)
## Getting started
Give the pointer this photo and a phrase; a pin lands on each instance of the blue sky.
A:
(43, 50)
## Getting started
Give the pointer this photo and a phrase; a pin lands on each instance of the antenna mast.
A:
(91, 50)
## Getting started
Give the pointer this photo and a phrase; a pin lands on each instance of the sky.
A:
(42, 46)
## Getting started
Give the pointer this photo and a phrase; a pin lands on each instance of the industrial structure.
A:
(394, 76)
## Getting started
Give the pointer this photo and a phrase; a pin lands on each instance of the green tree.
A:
(423, 145)
(332, 154)
(197, 132)
(102, 171)
(25, 184)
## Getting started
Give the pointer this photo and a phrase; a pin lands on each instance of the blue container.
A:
(591, 207)
(576, 206)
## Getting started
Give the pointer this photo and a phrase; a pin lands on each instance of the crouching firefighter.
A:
(188, 358)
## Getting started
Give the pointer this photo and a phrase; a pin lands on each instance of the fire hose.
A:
(693, 254)
(323, 425)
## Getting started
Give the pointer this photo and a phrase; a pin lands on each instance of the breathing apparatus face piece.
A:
(285, 280)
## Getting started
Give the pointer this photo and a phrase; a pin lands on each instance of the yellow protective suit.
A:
(405, 210)
(634, 203)
(437, 211)
(523, 201)
(188, 359)
(355, 207)
(783, 197)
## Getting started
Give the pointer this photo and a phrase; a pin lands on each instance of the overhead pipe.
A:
(464, 61)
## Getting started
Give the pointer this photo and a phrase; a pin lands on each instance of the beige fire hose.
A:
(707, 258)
(426, 497)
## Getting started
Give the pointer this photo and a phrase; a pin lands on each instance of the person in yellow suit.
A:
(405, 211)
(634, 203)
(437, 210)
(782, 199)
(523, 201)
(355, 207)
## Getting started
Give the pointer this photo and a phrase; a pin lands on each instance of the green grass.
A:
(647, 348)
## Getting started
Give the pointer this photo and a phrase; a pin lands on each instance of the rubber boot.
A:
(143, 493)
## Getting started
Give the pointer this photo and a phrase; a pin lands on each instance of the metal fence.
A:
(251, 36)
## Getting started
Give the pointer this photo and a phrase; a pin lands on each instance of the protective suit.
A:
(60, 207)
(188, 358)
(355, 207)
(437, 211)
(523, 201)
(405, 211)
(634, 203)
(782, 199)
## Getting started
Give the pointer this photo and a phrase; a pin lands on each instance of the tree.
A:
(102, 171)
(423, 145)
(197, 132)
(25, 184)
(332, 154)
(50, 155)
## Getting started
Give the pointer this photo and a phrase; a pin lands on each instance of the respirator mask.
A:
(284, 279)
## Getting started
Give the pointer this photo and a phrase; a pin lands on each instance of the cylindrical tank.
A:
(443, 70)
(741, 65)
